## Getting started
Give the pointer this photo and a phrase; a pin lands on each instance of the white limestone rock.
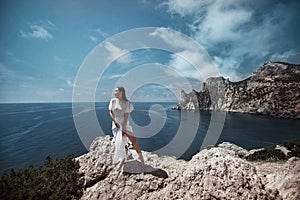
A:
(215, 173)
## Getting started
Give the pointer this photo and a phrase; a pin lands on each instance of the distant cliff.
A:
(273, 90)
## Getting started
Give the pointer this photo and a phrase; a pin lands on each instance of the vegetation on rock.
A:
(267, 154)
(57, 179)
(272, 154)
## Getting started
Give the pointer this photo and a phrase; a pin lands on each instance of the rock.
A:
(97, 164)
(176, 107)
(273, 90)
(237, 150)
(284, 176)
(283, 149)
(214, 173)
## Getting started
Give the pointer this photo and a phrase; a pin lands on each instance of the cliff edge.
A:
(273, 90)
(215, 173)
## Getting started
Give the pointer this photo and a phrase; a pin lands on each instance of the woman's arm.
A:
(113, 119)
(125, 121)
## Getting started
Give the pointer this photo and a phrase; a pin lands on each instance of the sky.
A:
(45, 44)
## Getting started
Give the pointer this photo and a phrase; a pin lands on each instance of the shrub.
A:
(268, 154)
(57, 179)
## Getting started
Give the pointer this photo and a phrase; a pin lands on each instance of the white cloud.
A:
(236, 32)
(49, 23)
(38, 32)
(70, 84)
(189, 58)
(285, 56)
(228, 66)
(93, 38)
(102, 33)
(116, 76)
(185, 7)
(183, 66)
(220, 24)
(115, 53)
(169, 36)
(144, 1)
(98, 35)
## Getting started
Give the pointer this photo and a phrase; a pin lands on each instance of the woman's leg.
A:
(136, 146)
(133, 141)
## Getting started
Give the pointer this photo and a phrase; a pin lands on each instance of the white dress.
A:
(119, 108)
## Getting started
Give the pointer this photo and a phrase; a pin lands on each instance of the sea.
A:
(32, 131)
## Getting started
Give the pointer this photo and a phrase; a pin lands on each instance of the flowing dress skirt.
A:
(120, 140)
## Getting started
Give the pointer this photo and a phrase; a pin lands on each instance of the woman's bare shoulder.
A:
(114, 99)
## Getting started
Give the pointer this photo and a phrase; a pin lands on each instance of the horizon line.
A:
(18, 102)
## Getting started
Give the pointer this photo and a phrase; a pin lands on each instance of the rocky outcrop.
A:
(283, 176)
(273, 90)
(215, 173)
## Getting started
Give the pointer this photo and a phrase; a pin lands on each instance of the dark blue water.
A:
(31, 132)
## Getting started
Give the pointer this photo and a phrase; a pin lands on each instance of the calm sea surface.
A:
(30, 132)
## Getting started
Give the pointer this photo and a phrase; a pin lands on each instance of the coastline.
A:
(272, 90)
(34, 131)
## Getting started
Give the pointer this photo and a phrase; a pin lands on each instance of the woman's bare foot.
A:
(120, 165)
(142, 161)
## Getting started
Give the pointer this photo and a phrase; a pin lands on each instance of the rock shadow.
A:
(134, 167)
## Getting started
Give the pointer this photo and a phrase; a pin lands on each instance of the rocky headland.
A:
(219, 172)
(273, 90)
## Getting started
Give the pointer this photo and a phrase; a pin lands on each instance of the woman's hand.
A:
(113, 119)
(117, 124)
(123, 133)
(123, 129)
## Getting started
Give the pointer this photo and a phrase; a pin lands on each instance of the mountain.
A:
(273, 90)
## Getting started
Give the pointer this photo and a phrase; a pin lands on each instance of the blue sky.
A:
(44, 43)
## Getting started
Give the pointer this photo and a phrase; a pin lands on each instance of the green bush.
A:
(272, 154)
(57, 179)
(268, 154)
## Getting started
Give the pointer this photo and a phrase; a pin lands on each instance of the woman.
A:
(120, 109)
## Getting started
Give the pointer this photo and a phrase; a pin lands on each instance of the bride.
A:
(120, 109)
